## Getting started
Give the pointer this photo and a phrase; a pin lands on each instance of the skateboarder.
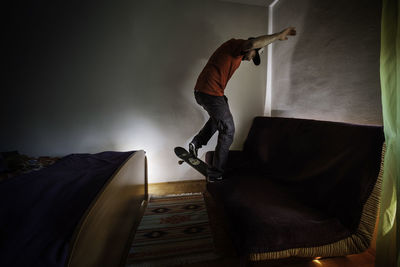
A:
(209, 93)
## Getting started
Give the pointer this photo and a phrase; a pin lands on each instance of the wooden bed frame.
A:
(103, 236)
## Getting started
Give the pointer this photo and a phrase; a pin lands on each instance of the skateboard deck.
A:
(194, 162)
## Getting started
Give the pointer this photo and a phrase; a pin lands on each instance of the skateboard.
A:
(194, 162)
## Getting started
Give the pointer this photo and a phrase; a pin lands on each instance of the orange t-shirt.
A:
(220, 68)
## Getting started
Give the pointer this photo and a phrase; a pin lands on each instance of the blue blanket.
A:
(39, 211)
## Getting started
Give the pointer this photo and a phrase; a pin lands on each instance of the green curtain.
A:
(388, 245)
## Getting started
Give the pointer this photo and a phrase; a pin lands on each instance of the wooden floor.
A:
(223, 244)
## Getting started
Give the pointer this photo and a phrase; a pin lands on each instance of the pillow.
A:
(11, 161)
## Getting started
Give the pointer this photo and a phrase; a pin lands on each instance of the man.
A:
(209, 93)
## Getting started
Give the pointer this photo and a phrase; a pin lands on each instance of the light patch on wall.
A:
(268, 93)
(140, 133)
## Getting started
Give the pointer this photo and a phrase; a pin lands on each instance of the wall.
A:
(89, 76)
(330, 70)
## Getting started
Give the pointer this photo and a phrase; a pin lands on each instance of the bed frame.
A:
(103, 236)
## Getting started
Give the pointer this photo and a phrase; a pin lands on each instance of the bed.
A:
(80, 211)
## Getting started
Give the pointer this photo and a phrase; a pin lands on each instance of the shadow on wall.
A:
(83, 74)
(334, 67)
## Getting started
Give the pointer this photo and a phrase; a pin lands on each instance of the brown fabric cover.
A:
(298, 183)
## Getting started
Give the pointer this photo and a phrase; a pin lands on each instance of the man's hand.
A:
(288, 31)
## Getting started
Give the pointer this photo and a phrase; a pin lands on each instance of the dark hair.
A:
(256, 58)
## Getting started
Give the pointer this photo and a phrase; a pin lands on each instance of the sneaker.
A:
(193, 149)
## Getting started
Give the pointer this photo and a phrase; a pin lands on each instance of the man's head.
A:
(249, 55)
(252, 55)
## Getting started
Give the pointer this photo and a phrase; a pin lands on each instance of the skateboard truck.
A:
(190, 159)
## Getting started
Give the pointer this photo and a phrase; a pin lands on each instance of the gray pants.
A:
(220, 119)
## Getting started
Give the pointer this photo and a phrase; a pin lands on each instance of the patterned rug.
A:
(174, 230)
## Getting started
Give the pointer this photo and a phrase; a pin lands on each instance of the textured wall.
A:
(88, 76)
(330, 70)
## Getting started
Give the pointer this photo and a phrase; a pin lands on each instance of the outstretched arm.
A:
(265, 40)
